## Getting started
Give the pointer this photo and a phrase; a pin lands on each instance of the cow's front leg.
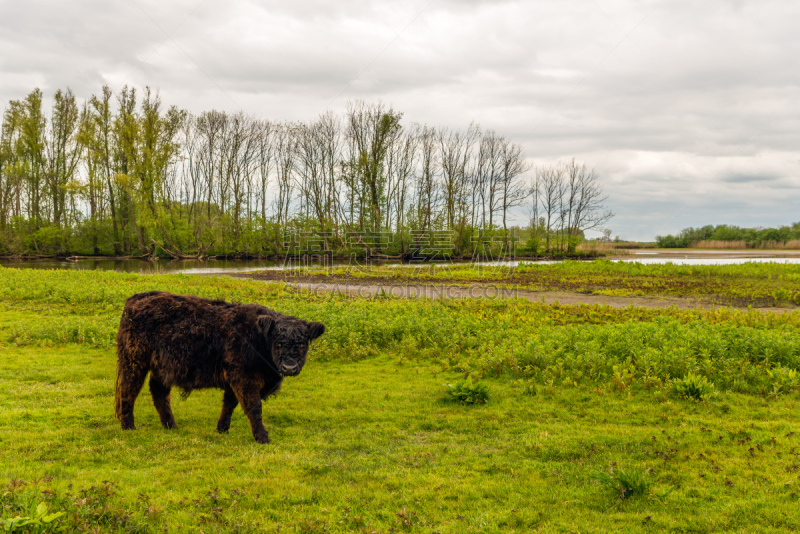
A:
(229, 402)
(249, 398)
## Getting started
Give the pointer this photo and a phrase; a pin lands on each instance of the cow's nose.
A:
(291, 369)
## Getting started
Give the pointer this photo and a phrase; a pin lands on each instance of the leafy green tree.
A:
(101, 146)
(32, 158)
(63, 152)
(371, 131)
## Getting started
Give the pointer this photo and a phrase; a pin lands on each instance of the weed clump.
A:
(38, 521)
(783, 380)
(694, 387)
(625, 483)
(25, 508)
(466, 391)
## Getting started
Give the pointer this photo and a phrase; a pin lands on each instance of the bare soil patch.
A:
(406, 289)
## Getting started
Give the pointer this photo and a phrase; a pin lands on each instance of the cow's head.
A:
(288, 338)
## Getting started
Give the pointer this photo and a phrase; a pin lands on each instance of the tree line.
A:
(124, 175)
(710, 236)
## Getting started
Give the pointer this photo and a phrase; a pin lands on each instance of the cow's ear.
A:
(265, 322)
(315, 330)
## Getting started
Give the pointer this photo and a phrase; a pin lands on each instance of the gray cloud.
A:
(737, 178)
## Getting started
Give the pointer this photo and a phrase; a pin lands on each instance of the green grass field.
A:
(591, 424)
(748, 284)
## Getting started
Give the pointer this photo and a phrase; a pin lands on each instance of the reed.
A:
(792, 244)
(602, 247)
(715, 244)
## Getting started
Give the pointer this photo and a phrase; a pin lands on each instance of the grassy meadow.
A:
(747, 284)
(598, 419)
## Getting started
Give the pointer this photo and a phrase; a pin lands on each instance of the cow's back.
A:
(178, 337)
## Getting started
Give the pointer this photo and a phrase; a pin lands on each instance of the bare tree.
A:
(551, 179)
(426, 185)
(284, 144)
(535, 195)
(512, 165)
(586, 201)
(404, 164)
(311, 177)
(211, 126)
(455, 147)
(489, 174)
(329, 132)
(266, 160)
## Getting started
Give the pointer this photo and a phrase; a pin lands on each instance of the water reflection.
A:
(140, 266)
(231, 266)
(157, 266)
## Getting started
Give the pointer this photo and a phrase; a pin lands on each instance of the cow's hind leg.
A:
(130, 382)
(250, 399)
(161, 399)
(229, 402)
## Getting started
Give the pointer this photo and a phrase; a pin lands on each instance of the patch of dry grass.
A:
(792, 244)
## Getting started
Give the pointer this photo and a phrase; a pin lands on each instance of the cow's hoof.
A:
(169, 425)
(128, 427)
(262, 438)
(223, 429)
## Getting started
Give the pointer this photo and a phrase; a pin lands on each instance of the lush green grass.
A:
(748, 284)
(364, 439)
(528, 340)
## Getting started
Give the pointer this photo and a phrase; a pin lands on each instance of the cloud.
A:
(737, 178)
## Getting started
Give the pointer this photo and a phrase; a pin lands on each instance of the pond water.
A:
(231, 266)
(711, 261)
(153, 267)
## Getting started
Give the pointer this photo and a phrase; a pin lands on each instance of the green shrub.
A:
(783, 380)
(693, 387)
(466, 391)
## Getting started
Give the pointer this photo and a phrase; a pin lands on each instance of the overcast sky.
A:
(689, 111)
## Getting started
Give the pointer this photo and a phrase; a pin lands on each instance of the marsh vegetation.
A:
(597, 418)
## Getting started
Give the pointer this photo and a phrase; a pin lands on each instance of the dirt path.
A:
(402, 289)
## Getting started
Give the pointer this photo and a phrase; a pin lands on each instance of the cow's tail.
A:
(117, 398)
(123, 358)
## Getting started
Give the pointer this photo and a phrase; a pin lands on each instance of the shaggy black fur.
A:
(194, 343)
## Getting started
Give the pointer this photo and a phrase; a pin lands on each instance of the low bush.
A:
(466, 391)
(693, 387)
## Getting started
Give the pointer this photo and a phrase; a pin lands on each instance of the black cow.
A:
(195, 343)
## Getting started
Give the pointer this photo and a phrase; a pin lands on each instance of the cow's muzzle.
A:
(290, 370)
